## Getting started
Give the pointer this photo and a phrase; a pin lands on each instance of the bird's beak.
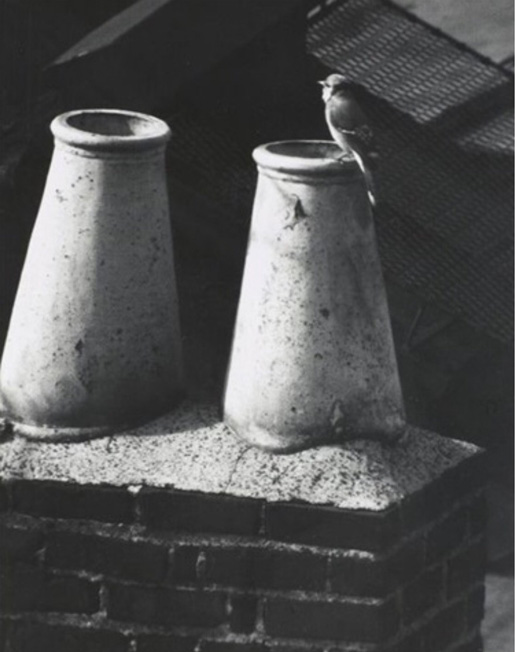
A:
(321, 82)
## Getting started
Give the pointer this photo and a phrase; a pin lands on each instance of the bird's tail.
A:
(369, 181)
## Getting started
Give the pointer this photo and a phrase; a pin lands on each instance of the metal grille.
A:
(444, 120)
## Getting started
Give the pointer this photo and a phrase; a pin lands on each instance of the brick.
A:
(163, 643)
(476, 607)
(445, 628)
(407, 562)
(40, 637)
(331, 527)
(228, 567)
(185, 559)
(196, 512)
(162, 606)
(424, 506)
(309, 647)
(30, 589)
(19, 544)
(473, 645)
(452, 486)
(423, 594)
(242, 613)
(4, 498)
(358, 576)
(466, 568)
(138, 561)
(71, 594)
(478, 515)
(467, 477)
(410, 643)
(5, 628)
(446, 535)
(21, 589)
(363, 622)
(62, 500)
(226, 646)
(289, 570)
(265, 568)
(355, 575)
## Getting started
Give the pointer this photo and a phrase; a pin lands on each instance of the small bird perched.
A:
(349, 126)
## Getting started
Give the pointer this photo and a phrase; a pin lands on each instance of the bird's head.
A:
(333, 84)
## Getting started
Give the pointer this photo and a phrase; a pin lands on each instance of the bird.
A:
(349, 125)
